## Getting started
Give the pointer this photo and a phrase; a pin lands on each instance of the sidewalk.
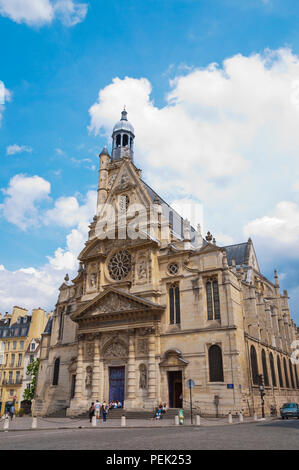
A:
(25, 423)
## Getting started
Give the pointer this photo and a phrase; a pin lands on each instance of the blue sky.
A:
(56, 61)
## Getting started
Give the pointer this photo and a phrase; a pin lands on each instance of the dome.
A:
(123, 125)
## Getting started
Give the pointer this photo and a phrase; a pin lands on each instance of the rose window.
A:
(119, 265)
(173, 268)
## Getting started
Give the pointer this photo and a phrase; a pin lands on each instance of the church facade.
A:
(155, 304)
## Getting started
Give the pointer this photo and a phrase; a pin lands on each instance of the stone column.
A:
(96, 377)
(151, 371)
(79, 373)
(131, 376)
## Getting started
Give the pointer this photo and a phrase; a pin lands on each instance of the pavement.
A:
(25, 423)
(114, 441)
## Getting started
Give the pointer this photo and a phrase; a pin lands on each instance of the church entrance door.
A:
(175, 389)
(117, 384)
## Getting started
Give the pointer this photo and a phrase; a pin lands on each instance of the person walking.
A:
(105, 409)
(91, 412)
(12, 412)
(97, 408)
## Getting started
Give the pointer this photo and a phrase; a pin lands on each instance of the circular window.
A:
(173, 268)
(119, 265)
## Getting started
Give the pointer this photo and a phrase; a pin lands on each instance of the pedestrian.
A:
(105, 409)
(91, 412)
(97, 408)
(11, 412)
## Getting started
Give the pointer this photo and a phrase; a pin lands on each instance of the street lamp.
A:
(262, 392)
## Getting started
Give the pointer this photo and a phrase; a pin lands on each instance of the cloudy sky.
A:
(212, 89)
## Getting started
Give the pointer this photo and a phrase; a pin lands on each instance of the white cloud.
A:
(224, 133)
(15, 148)
(41, 12)
(278, 232)
(22, 197)
(31, 287)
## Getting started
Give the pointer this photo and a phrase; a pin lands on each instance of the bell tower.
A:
(123, 138)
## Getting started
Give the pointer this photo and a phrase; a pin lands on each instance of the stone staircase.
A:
(117, 413)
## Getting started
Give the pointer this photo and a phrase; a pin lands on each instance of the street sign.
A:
(190, 383)
(230, 385)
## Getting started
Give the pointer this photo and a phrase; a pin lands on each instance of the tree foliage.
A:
(32, 369)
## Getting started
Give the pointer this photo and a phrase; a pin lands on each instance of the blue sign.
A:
(190, 383)
(230, 385)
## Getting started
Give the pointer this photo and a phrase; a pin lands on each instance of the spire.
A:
(124, 115)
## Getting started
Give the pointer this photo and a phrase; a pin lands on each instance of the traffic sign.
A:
(190, 383)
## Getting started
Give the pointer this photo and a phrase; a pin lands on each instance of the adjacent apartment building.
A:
(17, 330)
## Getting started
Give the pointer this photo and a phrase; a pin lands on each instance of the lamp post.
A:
(262, 392)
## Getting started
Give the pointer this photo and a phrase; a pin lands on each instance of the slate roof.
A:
(237, 252)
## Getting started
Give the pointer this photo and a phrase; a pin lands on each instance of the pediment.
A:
(173, 358)
(115, 301)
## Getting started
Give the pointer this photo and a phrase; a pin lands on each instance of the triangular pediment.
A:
(115, 301)
(209, 247)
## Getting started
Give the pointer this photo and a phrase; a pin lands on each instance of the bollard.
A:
(197, 420)
(255, 417)
(6, 423)
(230, 418)
(241, 419)
(176, 420)
(123, 421)
(34, 423)
(94, 421)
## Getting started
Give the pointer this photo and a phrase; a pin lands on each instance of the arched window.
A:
(174, 305)
(296, 375)
(291, 374)
(215, 364)
(254, 366)
(265, 369)
(213, 305)
(56, 371)
(125, 140)
(286, 373)
(279, 373)
(61, 322)
(272, 370)
(118, 140)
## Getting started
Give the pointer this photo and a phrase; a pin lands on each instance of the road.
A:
(274, 435)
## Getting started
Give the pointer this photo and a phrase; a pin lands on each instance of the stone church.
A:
(155, 304)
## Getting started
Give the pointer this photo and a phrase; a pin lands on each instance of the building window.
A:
(20, 360)
(265, 369)
(18, 377)
(291, 374)
(14, 345)
(12, 362)
(56, 371)
(279, 373)
(272, 370)
(21, 344)
(174, 305)
(31, 358)
(213, 304)
(286, 373)
(60, 331)
(11, 393)
(254, 366)
(215, 364)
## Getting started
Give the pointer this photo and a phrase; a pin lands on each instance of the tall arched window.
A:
(254, 366)
(291, 374)
(213, 304)
(272, 370)
(174, 305)
(215, 364)
(125, 140)
(56, 371)
(286, 373)
(118, 140)
(61, 322)
(265, 369)
(279, 373)
(296, 375)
